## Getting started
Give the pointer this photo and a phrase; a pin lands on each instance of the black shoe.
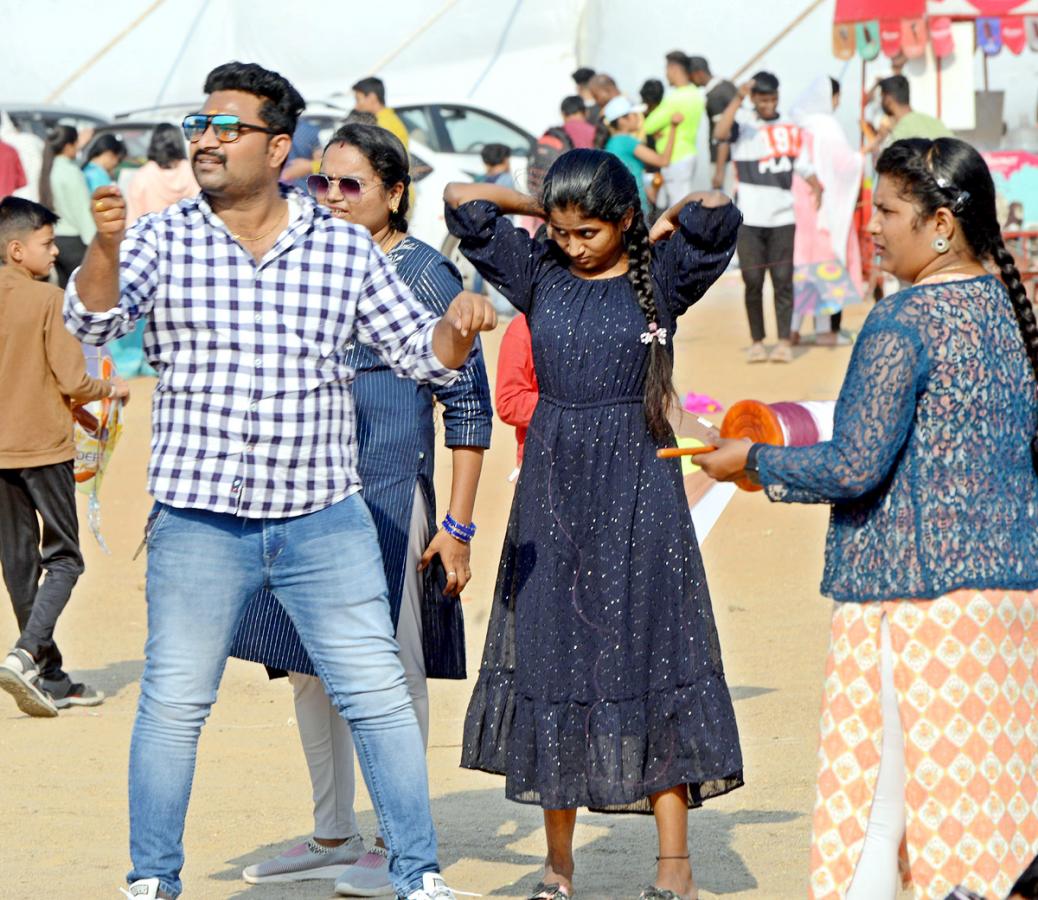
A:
(79, 695)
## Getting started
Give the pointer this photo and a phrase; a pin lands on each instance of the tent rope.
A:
(61, 88)
(811, 7)
(411, 38)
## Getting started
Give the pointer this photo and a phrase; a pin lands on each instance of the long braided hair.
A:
(601, 187)
(950, 173)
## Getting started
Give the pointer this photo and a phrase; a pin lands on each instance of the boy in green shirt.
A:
(687, 100)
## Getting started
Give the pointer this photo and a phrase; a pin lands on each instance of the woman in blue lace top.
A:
(929, 733)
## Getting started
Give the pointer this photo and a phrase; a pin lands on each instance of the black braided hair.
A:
(949, 173)
(659, 387)
(1024, 311)
(601, 187)
(1026, 887)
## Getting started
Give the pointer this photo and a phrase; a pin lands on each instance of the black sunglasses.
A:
(351, 187)
(227, 128)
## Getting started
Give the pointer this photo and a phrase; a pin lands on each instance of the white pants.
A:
(823, 324)
(325, 734)
(678, 181)
(876, 877)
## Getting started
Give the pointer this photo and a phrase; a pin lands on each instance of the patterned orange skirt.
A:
(966, 677)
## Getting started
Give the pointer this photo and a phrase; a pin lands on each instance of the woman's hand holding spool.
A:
(728, 461)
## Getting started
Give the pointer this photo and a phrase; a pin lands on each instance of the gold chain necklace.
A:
(390, 240)
(267, 233)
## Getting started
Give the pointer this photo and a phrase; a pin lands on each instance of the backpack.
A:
(549, 147)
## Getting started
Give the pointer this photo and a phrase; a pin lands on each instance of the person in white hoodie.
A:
(826, 255)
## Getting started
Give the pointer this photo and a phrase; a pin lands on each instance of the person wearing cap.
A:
(624, 121)
(718, 93)
(687, 99)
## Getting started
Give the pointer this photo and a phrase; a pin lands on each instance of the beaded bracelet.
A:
(455, 529)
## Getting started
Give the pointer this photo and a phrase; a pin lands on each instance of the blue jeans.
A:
(325, 568)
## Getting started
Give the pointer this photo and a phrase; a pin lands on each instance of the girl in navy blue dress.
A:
(601, 684)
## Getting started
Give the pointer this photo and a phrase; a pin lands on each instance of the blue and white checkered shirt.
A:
(252, 414)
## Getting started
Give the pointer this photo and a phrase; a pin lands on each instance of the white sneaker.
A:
(433, 888)
(18, 676)
(367, 877)
(306, 861)
(145, 889)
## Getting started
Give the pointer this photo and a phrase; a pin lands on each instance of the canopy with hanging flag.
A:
(868, 27)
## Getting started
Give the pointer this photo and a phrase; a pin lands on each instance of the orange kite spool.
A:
(778, 424)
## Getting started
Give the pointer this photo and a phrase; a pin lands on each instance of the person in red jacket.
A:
(516, 390)
(12, 175)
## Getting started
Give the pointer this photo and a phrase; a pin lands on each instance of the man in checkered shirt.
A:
(253, 294)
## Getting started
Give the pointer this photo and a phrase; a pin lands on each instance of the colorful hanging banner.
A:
(913, 38)
(1014, 37)
(989, 35)
(890, 37)
(868, 40)
(941, 37)
(844, 41)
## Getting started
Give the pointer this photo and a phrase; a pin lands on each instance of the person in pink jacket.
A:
(165, 179)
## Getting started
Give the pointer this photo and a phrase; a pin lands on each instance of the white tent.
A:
(116, 55)
(513, 56)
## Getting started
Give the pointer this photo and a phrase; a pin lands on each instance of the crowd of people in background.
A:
(795, 220)
(796, 176)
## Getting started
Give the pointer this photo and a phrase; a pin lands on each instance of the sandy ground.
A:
(63, 830)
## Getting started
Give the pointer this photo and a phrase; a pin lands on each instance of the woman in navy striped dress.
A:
(364, 180)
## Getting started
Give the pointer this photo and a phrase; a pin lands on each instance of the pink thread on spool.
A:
(798, 425)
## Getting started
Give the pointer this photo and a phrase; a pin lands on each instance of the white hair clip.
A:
(962, 197)
(655, 333)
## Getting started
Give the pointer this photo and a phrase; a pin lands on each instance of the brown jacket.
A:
(41, 370)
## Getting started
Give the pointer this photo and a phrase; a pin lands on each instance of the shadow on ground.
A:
(746, 692)
(112, 678)
(616, 862)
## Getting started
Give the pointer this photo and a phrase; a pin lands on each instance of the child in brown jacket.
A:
(42, 370)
